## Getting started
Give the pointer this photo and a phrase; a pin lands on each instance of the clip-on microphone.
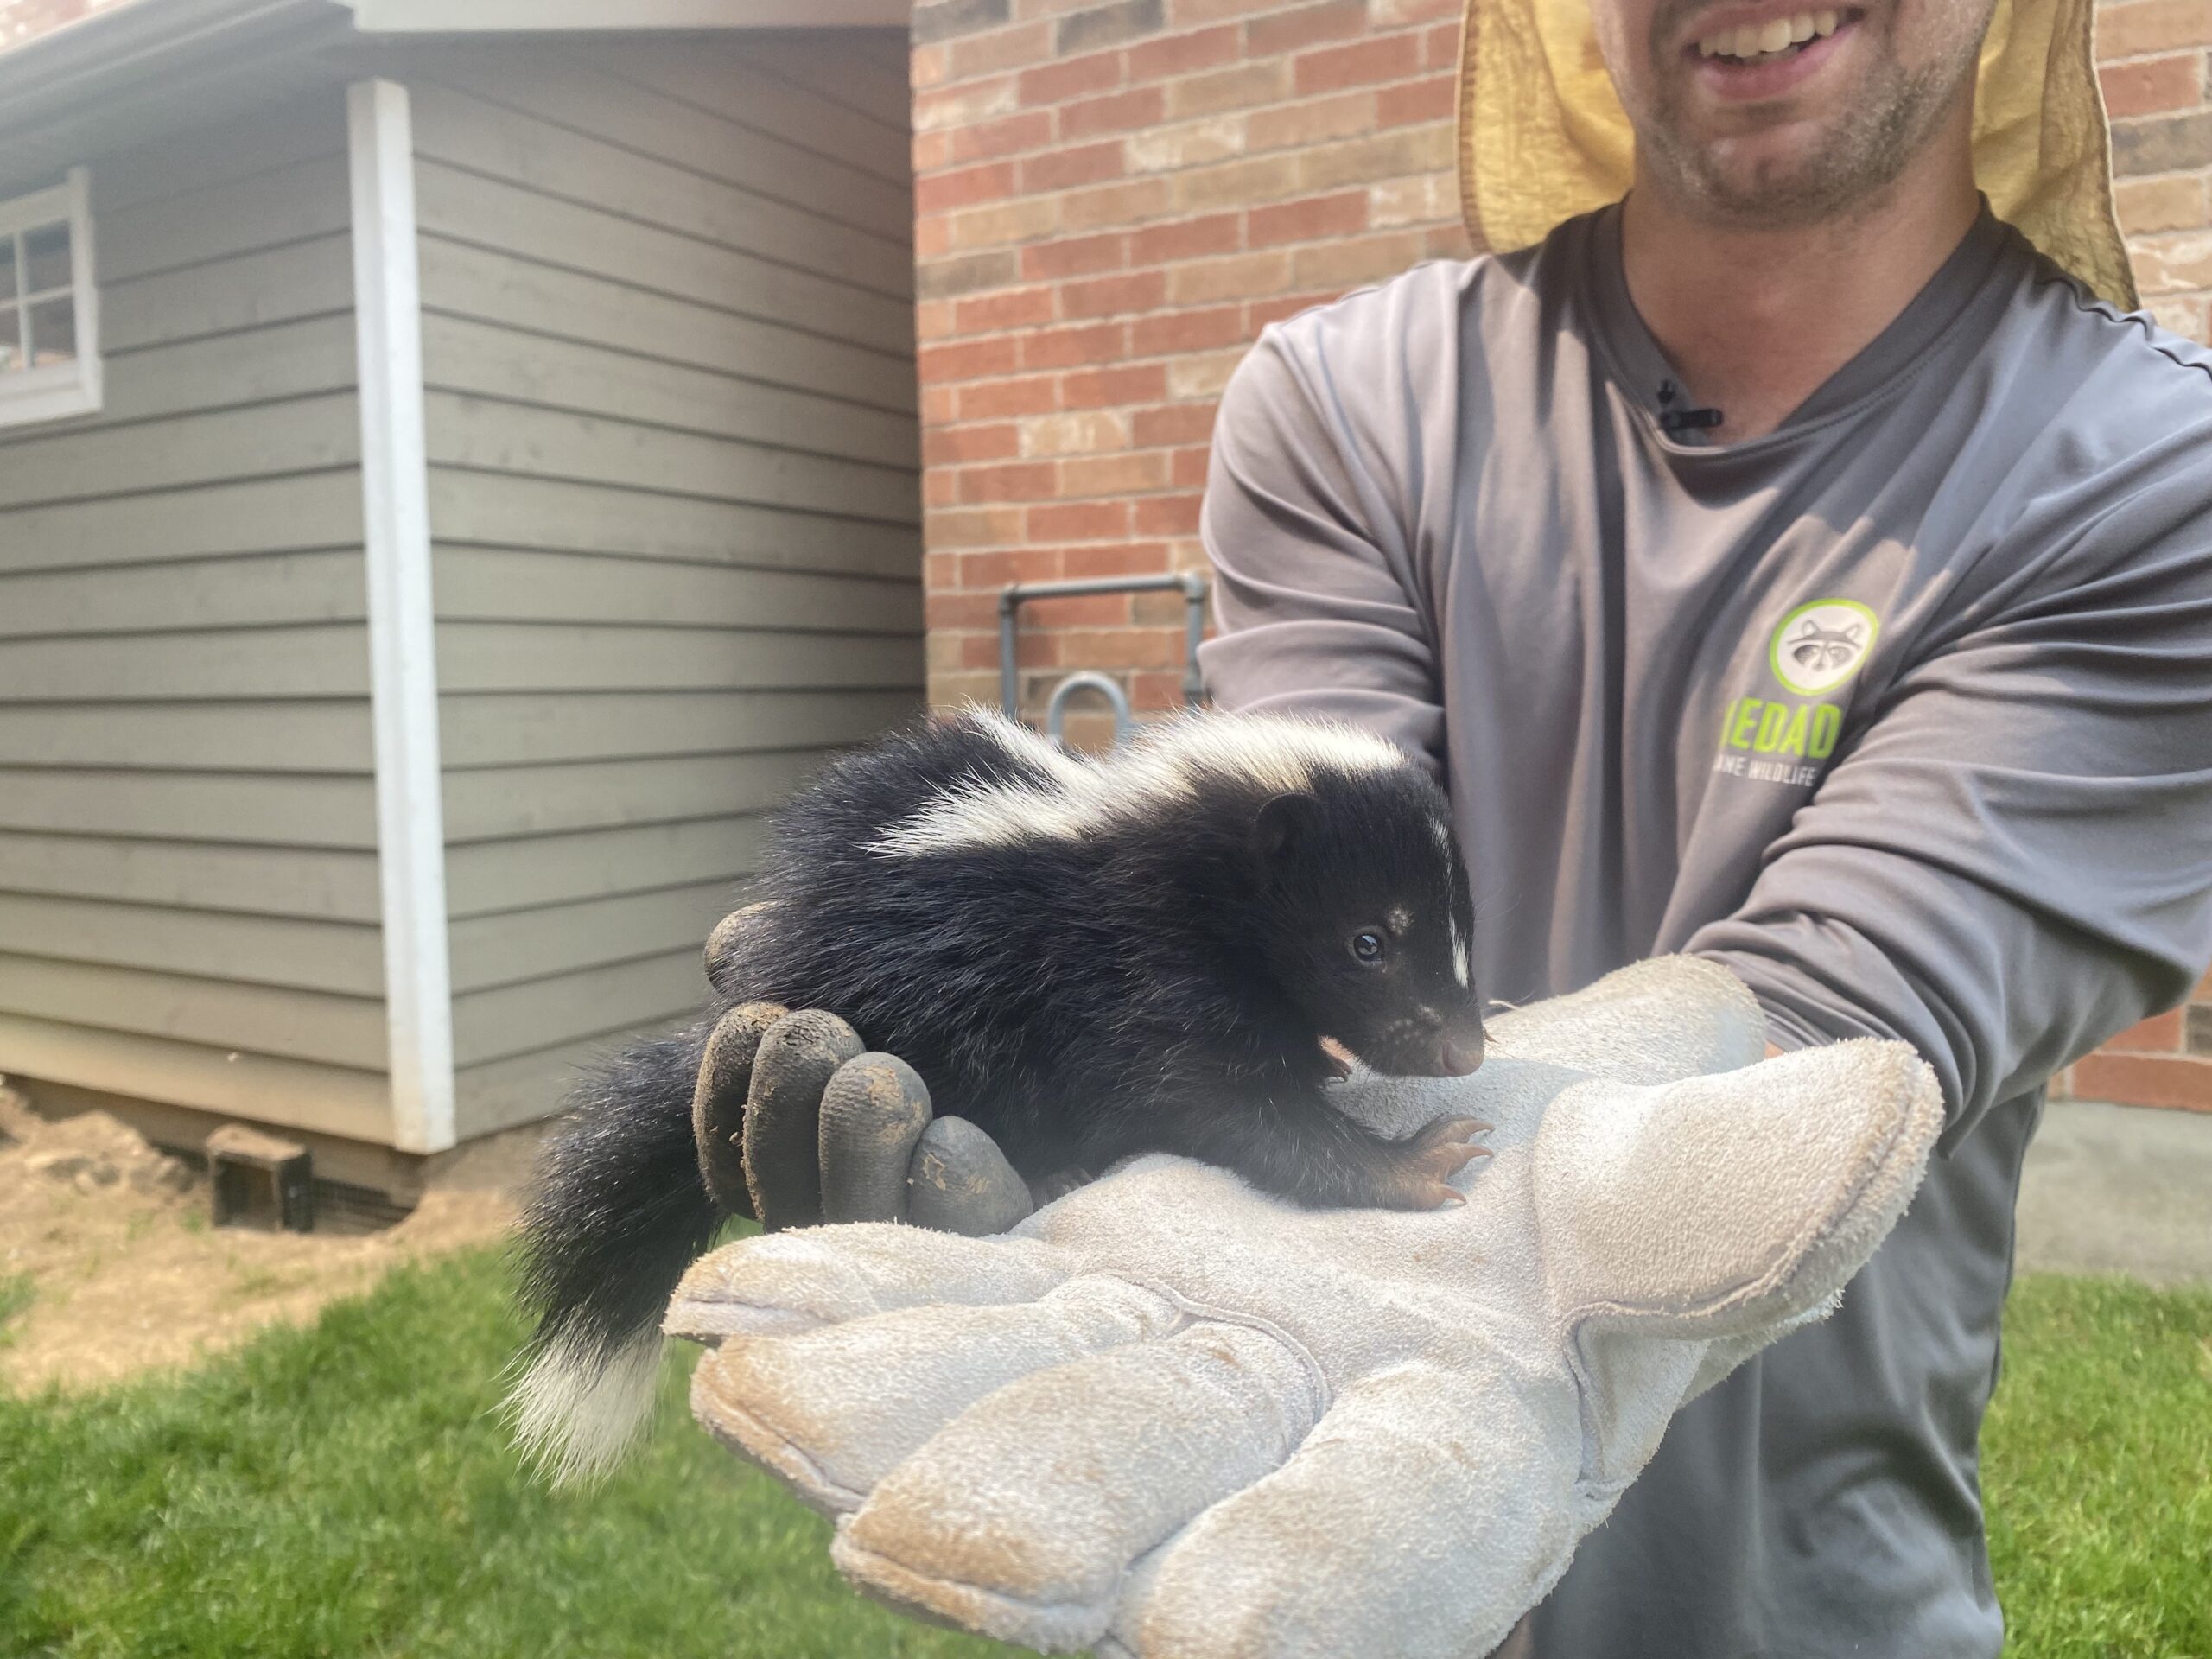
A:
(1673, 420)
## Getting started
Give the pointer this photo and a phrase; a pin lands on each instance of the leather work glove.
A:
(796, 1125)
(1169, 1416)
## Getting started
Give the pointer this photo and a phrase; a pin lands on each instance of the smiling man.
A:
(1795, 564)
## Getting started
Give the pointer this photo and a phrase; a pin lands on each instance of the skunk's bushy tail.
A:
(618, 1212)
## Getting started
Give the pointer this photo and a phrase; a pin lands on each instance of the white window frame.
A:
(59, 390)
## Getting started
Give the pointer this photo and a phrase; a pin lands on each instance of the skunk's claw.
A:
(1423, 1164)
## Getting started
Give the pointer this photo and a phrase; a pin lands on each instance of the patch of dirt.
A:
(109, 1266)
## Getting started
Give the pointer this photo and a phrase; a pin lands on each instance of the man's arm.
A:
(2013, 862)
(2012, 865)
(1319, 609)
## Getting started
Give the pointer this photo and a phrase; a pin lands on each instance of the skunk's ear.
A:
(1283, 820)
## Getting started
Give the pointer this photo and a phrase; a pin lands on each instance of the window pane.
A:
(7, 268)
(11, 354)
(46, 257)
(52, 331)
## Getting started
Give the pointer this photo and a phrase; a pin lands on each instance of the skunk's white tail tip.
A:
(577, 1411)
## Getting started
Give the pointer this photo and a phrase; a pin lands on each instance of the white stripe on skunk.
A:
(1166, 765)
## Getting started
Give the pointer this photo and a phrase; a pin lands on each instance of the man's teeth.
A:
(1765, 39)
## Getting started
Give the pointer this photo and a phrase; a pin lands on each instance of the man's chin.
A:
(1782, 177)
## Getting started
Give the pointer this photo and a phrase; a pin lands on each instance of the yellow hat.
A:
(1543, 136)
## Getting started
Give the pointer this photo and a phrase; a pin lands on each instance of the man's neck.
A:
(1756, 321)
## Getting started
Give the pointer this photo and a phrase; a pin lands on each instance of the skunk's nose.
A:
(1460, 1051)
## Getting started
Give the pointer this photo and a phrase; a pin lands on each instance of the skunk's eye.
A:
(1367, 947)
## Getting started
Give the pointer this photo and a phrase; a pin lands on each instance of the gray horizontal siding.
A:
(194, 875)
(296, 436)
(466, 281)
(250, 515)
(492, 509)
(668, 355)
(188, 830)
(517, 947)
(288, 735)
(524, 729)
(297, 202)
(514, 1019)
(480, 359)
(488, 435)
(236, 1083)
(511, 803)
(574, 92)
(236, 591)
(737, 86)
(502, 1093)
(325, 660)
(486, 877)
(267, 809)
(456, 206)
(293, 1024)
(491, 583)
(345, 958)
(473, 134)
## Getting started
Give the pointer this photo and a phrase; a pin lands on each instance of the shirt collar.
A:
(1944, 309)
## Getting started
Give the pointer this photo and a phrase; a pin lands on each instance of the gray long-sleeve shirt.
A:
(1903, 712)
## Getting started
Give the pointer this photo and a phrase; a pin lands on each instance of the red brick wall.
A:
(2165, 1061)
(2156, 69)
(2156, 58)
(1114, 198)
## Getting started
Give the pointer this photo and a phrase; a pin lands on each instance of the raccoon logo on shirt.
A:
(1816, 651)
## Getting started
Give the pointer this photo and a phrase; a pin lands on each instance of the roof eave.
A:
(58, 78)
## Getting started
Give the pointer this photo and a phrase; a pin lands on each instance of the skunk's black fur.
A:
(1087, 960)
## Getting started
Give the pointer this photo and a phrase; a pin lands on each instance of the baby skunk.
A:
(1086, 958)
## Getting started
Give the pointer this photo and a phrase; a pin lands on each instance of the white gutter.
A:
(403, 632)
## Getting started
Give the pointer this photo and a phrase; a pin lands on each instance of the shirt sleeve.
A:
(1315, 596)
(2013, 862)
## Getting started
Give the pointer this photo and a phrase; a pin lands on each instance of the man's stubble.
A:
(1854, 160)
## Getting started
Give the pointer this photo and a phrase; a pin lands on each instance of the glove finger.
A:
(718, 1101)
(795, 1280)
(726, 949)
(1019, 1518)
(1650, 1022)
(1717, 1205)
(783, 1114)
(960, 1182)
(834, 1409)
(1428, 1509)
(874, 1110)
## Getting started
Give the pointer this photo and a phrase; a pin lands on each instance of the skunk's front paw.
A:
(1417, 1170)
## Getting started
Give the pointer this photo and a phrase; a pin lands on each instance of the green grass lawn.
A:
(345, 1490)
(2097, 1466)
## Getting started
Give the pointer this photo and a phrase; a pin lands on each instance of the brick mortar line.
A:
(1060, 147)
(2198, 48)
(1164, 36)
(1135, 362)
(1171, 308)
(1241, 61)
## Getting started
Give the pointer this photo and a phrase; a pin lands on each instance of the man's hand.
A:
(1172, 1417)
(796, 1125)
